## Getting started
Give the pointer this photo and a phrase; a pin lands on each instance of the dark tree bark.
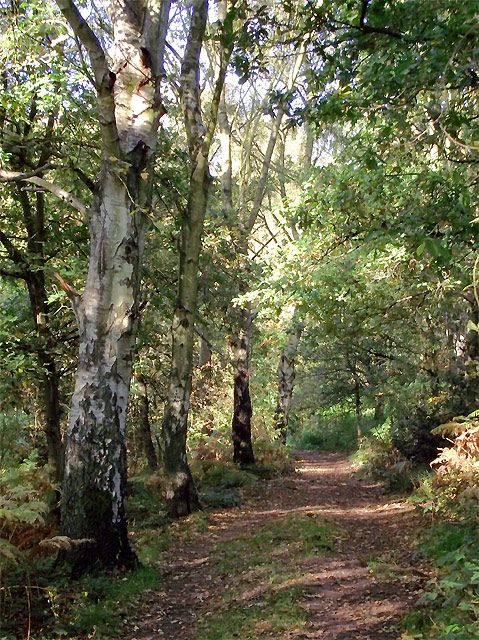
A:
(203, 385)
(242, 412)
(241, 342)
(241, 426)
(145, 426)
(357, 405)
(204, 365)
(286, 376)
(49, 375)
(29, 265)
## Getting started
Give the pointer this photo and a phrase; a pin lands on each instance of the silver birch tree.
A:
(179, 487)
(127, 80)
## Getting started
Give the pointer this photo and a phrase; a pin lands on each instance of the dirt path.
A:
(358, 590)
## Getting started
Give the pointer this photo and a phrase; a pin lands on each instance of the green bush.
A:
(219, 482)
(378, 458)
(449, 607)
(327, 432)
(14, 443)
(144, 506)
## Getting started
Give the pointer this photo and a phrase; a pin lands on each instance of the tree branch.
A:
(13, 253)
(85, 35)
(71, 293)
(17, 176)
(32, 178)
(104, 76)
(13, 274)
(190, 78)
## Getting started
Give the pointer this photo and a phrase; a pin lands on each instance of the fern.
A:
(22, 509)
(9, 553)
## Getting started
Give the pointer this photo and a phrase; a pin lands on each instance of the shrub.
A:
(451, 493)
(453, 490)
(328, 432)
(378, 458)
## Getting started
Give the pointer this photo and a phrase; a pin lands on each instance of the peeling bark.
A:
(286, 376)
(95, 467)
(180, 492)
(129, 108)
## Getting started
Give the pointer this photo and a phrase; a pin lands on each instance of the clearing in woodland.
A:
(318, 554)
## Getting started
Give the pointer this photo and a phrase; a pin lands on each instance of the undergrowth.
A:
(379, 459)
(329, 431)
(37, 598)
(449, 608)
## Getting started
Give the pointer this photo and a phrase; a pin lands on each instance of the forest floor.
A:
(318, 554)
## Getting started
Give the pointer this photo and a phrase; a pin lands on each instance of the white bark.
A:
(129, 109)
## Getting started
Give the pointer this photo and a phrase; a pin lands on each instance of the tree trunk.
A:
(32, 264)
(286, 375)
(241, 426)
(95, 469)
(379, 409)
(180, 492)
(204, 365)
(49, 375)
(129, 108)
(203, 386)
(145, 427)
(357, 404)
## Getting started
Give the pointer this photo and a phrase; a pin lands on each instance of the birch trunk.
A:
(107, 312)
(180, 492)
(286, 376)
(179, 487)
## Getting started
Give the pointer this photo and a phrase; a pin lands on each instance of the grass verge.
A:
(263, 584)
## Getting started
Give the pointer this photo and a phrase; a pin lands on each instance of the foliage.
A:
(448, 608)
(14, 441)
(23, 506)
(374, 252)
(220, 481)
(453, 489)
(378, 458)
(334, 429)
(451, 495)
(143, 502)
(37, 596)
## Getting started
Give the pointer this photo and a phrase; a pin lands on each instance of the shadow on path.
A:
(358, 591)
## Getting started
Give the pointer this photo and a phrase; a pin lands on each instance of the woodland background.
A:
(325, 263)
